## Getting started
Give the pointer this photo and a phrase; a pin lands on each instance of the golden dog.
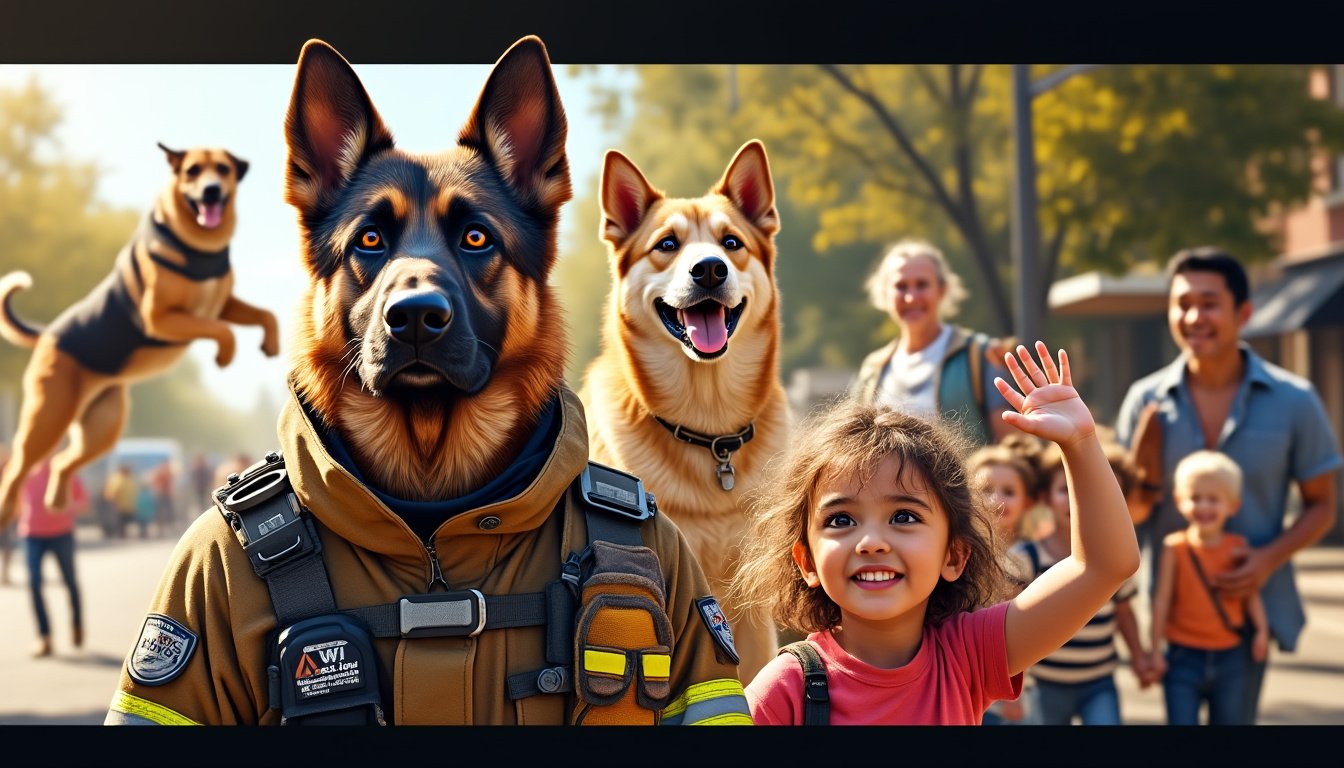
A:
(171, 284)
(685, 391)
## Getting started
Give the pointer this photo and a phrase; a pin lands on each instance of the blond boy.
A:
(1202, 628)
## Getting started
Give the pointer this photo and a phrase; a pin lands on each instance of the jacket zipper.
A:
(435, 575)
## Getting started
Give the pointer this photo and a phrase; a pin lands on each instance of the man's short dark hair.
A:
(1207, 258)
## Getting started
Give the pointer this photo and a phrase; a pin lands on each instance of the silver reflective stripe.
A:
(708, 709)
(123, 718)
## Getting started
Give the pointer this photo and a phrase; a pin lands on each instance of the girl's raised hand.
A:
(1048, 406)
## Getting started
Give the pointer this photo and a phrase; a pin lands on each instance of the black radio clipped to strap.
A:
(324, 672)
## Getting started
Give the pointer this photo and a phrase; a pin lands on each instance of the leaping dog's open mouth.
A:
(208, 215)
(704, 327)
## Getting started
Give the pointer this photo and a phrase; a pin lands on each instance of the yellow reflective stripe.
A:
(656, 664)
(604, 662)
(156, 713)
(698, 692)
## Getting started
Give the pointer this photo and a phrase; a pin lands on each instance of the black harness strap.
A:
(279, 540)
(501, 612)
(817, 702)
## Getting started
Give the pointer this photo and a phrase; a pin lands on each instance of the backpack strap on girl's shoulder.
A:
(817, 703)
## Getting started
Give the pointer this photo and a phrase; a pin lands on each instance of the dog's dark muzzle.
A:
(417, 318)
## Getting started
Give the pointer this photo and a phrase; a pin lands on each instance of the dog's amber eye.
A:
(667, 244)
(731, 242)
(370, 239)
(475, 239)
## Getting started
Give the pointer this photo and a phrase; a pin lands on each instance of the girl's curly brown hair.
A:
(851, 440)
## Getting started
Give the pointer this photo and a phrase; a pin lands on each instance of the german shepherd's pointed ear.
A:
(626, 196)
(747, 184)
(331, 127)
(519, 126)
(174, 157)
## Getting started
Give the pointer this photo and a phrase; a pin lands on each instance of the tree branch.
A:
(931, 84)
(882, 174)
(970, 228)
(902, 140)
(974, 84)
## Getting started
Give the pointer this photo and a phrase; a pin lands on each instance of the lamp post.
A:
(1025, 214)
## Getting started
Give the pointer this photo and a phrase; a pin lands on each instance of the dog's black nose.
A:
(709, 273)
(211, 193)
(417, 317)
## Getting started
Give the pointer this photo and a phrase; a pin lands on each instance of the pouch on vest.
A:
(623, 639)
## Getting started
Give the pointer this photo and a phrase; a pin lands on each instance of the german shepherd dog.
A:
(171, 284)
(428, 337)
(685, 390)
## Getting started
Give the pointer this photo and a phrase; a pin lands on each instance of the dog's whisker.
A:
(488, 346)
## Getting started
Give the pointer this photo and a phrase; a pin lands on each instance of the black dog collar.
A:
(721, 446)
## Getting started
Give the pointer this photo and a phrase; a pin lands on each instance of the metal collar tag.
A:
(459, 613)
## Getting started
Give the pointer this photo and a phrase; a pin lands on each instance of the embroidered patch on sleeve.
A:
(161, 652)
(718, 626)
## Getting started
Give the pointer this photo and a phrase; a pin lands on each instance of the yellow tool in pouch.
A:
(623, 639)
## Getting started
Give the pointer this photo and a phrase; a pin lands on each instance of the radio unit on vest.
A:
(323, 672)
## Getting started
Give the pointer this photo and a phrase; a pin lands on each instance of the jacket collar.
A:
(352, 511)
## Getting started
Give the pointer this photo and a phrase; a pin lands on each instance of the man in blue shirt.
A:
(1221, 395)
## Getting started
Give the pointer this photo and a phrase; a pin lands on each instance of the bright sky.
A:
(115, 114)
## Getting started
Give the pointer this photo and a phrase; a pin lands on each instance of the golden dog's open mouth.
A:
(704, 328)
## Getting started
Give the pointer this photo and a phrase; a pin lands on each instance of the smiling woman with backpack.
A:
(932, 367)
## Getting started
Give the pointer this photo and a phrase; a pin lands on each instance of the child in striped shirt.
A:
(1078, 680)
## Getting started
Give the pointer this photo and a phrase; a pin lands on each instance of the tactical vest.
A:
(608, 637)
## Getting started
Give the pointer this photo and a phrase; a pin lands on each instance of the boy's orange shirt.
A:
(1193, 621)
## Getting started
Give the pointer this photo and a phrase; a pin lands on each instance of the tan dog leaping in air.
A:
(171, 284)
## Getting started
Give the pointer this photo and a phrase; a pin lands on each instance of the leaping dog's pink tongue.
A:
(706, 329)
(210, 215)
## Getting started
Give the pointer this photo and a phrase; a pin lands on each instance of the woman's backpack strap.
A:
(817, 702)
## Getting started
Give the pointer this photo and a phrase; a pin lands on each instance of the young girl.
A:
(872, 541)
(1005, 474)
(1078, 679)
(1204, 658)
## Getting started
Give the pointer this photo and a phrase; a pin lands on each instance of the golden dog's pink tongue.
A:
(706, 329)
(210, 215)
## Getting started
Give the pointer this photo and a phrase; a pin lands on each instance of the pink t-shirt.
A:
(38, 522)
(960, 669)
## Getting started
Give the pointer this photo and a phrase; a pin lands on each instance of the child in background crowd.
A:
(1006, 476)
(1078, 679)
(872, 541)
(1201, 628)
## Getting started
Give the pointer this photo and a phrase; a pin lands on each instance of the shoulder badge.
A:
(718, 626)
(161, 652)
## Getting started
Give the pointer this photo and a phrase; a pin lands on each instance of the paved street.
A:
(118, 578)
